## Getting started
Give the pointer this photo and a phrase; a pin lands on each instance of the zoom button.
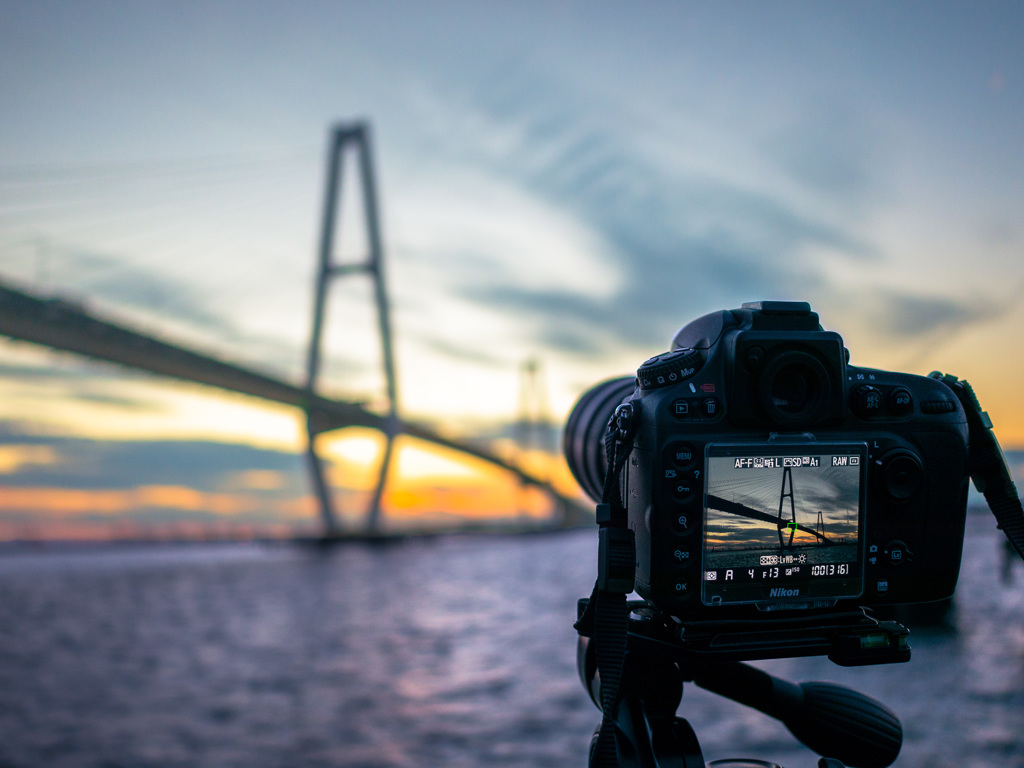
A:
(683, 521)
(682, 557)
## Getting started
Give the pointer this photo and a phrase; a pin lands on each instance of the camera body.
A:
(768, 475)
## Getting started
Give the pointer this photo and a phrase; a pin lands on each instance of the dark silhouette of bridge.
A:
(62, 324)
(735, 508)
(779, 520)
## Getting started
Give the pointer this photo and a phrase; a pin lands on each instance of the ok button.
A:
(680, 588)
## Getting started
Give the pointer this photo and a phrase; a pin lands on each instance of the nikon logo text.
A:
(783, 592)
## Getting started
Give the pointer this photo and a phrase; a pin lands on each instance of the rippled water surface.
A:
(444, 652)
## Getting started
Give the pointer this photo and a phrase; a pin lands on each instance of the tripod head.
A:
(849, 727)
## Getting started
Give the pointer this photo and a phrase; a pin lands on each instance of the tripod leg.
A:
(645, 742)
(687, 744)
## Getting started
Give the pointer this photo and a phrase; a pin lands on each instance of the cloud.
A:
(90, 464)
(457, 351)
(832, 149)
(727, 532)
(89, 383)
(171, 308)
(121, 283)
(65, 487)
(902, 315)
(684, 242)
(37, 374)
(77, 488)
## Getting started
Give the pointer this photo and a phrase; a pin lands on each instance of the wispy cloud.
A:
(683, 242)
(903, 315)
(78, 463)
(834, 151)
(122, 283)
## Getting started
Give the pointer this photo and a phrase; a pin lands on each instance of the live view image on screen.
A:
(783, 522)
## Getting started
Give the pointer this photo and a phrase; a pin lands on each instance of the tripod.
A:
(849, 727)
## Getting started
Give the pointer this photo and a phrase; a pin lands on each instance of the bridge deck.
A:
(60, 324)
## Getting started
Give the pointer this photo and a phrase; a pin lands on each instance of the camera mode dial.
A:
(669, 368)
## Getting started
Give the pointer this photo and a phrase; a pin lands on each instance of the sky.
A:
(565, 182)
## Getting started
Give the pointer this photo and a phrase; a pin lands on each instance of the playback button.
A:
(696, 408)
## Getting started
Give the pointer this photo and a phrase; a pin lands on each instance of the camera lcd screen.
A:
(783, 523)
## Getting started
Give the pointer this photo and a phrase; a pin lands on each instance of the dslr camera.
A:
(767, 478)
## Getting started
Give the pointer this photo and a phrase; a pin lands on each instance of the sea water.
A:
(453, 651)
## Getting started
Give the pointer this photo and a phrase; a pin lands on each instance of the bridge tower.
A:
(352, 137)
(533, 424)
(821, 528)
(787, 481)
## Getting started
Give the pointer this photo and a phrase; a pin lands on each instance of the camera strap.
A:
(987, 464)
(605, 618)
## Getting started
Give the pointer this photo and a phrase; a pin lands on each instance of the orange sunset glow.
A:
(427, 488)
(461, 225)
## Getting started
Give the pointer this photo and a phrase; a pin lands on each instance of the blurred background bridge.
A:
(58, 322)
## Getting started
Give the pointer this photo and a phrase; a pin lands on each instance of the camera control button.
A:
(680, 455)
(683, 488)
(938, 406)
(902, 475)
(867, 401)
(680, 587)
(896, 553)
(683, 521)
(901, 401)
(755, 358)
(682, 556)
(683, 408)
(669, 368)
(710, 407)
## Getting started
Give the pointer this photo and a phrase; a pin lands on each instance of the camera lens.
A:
(794, 389)
(584, 433)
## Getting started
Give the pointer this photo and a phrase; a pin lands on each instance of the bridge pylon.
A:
(532, 426)
(353, 137)
(787, 481)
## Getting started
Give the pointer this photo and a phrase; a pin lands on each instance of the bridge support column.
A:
(323, 493)
(373, 508)
(787, 482)
(357, 137)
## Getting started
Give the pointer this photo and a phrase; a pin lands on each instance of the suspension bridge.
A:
(59, 323)
(784, 519)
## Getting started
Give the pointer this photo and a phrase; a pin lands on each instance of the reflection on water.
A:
(451, 652)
